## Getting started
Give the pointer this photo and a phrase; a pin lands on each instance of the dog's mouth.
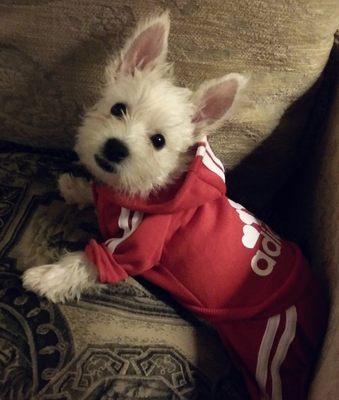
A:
(104, 164)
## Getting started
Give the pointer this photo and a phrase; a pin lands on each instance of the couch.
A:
(131, 341)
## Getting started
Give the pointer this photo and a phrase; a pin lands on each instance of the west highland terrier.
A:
(160, 197)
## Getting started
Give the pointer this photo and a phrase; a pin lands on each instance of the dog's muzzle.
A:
(113, 152)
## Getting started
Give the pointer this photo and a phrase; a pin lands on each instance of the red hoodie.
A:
(219, 261)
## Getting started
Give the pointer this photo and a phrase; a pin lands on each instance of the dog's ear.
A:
(147, 47)
(214, 100)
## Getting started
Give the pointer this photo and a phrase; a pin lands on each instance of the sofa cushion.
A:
(52, 56)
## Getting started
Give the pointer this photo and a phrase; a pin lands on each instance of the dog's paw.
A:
(75, 190)
(63, 281)
(48, 281)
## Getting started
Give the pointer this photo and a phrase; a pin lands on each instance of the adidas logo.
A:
(264, 260)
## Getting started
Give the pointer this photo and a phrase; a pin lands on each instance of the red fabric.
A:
(102, 256)
(219, 261)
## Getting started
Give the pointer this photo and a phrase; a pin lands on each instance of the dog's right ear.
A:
(147, 47)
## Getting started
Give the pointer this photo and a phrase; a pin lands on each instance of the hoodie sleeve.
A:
(135, 252)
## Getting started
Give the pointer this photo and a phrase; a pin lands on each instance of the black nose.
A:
(114, 150)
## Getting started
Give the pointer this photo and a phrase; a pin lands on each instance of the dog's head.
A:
(136, 138)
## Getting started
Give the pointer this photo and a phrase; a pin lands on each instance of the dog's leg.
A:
(75, 190)
(65, 280)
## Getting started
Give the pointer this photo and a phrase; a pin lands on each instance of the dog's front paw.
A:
(63, 281)
(49, 281)
(75, 190)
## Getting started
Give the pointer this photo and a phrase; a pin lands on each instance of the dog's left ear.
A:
(147, 47)
(214, 100)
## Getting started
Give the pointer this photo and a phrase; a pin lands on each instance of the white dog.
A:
(159, 193)
(154, 123)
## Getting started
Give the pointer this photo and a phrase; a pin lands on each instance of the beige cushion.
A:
(52, 56)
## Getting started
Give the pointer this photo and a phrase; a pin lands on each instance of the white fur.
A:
(140, 78)
(75, 190)
(65, 280)
(155, 105)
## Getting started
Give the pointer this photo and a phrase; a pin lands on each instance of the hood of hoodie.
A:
(203, 182)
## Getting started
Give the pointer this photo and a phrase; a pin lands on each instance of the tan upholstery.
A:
(52, 55)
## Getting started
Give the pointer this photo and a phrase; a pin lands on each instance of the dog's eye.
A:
(158, 141)
(118, 109)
